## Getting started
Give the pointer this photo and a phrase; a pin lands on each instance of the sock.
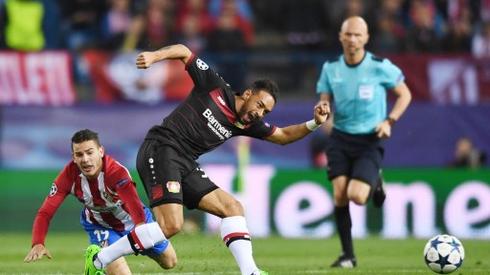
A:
(344, 225)
(234, 233)
(374, 188)
(140, 238)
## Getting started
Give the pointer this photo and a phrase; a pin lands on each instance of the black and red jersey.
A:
(207, 117)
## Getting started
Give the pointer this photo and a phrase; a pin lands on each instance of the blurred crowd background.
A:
(434, 26)
(61, 60)
(241, 27)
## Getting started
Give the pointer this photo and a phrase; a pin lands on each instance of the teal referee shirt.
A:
(359, 91)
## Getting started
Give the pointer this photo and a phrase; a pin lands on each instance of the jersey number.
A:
(203, 175)
(101, 235)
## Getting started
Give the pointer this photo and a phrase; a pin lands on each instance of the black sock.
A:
(374, 187)
(344, 225)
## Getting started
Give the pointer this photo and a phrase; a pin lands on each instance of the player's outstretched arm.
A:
(295, 132)
(177, 51)
(36, 253)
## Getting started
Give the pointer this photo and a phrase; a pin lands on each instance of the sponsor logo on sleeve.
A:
(122, 182)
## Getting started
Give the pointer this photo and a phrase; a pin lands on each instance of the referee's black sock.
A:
(344, 225)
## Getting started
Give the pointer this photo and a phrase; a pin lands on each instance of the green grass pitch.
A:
(205, 254)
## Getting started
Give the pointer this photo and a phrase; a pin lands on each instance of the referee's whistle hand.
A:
(383, 130)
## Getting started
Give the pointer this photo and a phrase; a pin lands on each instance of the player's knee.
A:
(358, 198)
(232, 208)
(171, 229)
(118, 267)
(169, 262)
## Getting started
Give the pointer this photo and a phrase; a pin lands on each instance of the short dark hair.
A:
(270, 86)
(85, 135)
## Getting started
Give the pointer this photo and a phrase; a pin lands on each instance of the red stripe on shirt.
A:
(230, 115)
(112, 221)
(91, 218)
(95, 192)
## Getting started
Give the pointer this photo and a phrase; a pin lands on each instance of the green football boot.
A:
(90, 268)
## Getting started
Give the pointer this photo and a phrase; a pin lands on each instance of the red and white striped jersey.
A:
(110, 201)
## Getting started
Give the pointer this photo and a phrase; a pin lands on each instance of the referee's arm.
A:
(383, 130)
(403, 100)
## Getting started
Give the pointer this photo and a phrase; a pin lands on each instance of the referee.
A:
(357, 83)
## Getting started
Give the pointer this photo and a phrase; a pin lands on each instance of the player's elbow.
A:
(185, 52)
(43, 214)
(282, 139)
(183, 48)
(282, 142)
(286, 142)
(288, 138)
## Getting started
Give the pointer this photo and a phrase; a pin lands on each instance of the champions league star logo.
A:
(53, 190)
(201, 64)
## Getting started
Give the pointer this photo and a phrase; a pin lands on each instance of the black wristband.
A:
(391, 121)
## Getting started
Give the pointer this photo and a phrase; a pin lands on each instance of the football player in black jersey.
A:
(210, 115)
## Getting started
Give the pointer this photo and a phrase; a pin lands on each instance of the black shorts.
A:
(170, 177)
(355, 156)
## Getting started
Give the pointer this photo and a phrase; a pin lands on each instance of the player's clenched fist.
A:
(145, 59)
(323, 107)
(321, 111)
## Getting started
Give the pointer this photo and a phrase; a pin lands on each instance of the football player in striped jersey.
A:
(113, 213)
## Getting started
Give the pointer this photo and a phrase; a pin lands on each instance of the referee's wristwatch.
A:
(391, 120)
